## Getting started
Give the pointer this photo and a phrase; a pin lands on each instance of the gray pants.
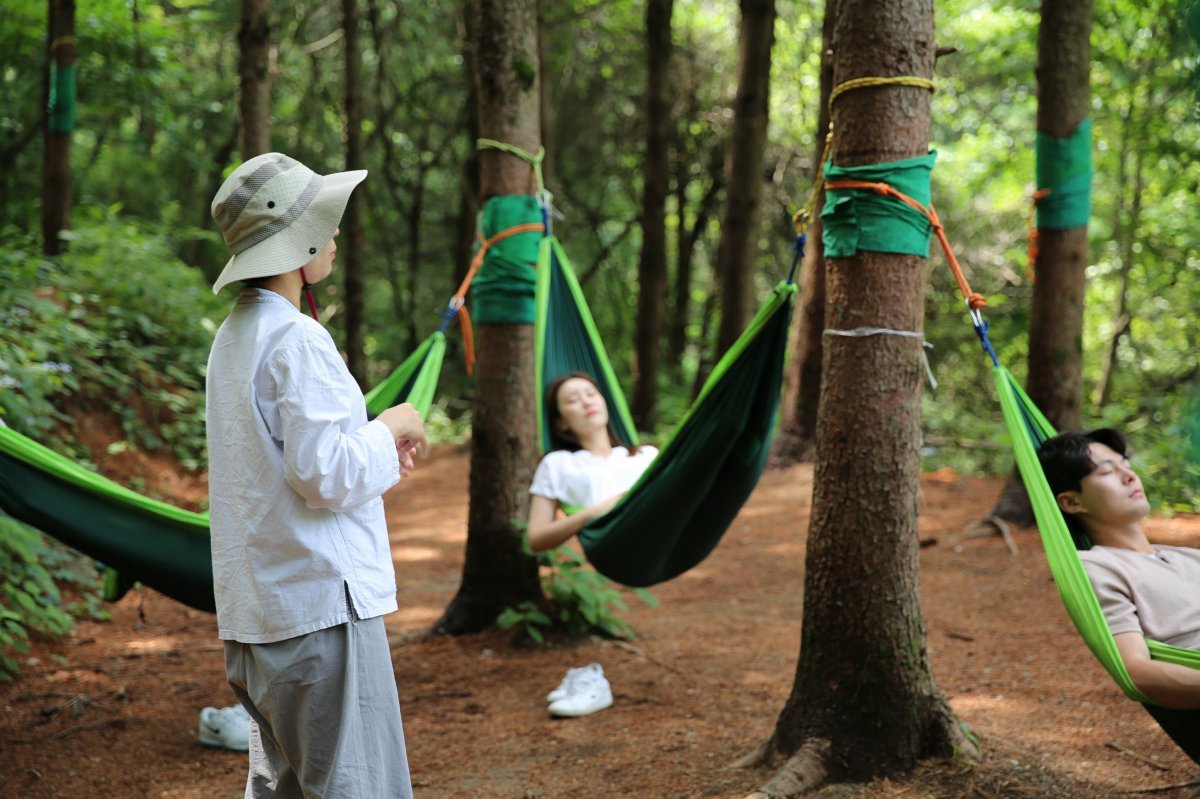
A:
(326, 716)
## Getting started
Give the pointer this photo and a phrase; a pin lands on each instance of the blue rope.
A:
(981, 330)
(447, 317)
(798, 249)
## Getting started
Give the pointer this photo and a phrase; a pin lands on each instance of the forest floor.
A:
(111, 711)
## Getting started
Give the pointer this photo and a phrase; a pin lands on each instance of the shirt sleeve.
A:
(547, 479)
(329, 459)
(1113, 592)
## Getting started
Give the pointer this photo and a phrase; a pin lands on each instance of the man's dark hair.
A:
(1066, 460)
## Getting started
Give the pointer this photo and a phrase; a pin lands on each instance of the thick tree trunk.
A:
(797, 439)
(687, 239)
(652, 268)
(744, 180)
(864, 693)
(497, 574)
(56, 164)
(468, 208)
(1055, 381)
(254, 63)
(1127, 222)
(353, 237)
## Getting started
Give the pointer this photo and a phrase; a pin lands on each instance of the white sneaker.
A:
(225, 728)
(589, 692)
(564, 688)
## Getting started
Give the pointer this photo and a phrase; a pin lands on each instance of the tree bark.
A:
(863, 685)
(56, 163)
(254, 61)
(1055, 382)
(497, 574)
(743, 195)
(652, 267)
(353, 237)
(797, 439)
(686, 240)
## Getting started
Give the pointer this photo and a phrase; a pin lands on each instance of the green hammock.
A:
(138, 538)
(1027, 429)
(675, 515)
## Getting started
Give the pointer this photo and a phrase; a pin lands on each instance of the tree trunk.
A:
(497, 574)
(353, 237)
(1127, 222)
(60, 121)
(797, 439)
(864, 702)
(254, 63)
(1055, 381)
(652, 268)
(743, 195)
(468, 206)
(687, 239)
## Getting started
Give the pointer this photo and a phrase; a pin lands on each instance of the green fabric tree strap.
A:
(504, 287)
(61, 104)
(856, 219)
(1064, 167)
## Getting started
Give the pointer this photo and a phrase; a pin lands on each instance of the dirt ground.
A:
(112, 710)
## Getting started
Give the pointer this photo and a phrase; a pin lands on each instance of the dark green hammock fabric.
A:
(1027, 429)
(162, 546)
(675, 515)
(141, 539)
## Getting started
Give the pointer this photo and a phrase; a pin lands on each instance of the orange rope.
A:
(1038, 196)
(975, 300)
(458, 301)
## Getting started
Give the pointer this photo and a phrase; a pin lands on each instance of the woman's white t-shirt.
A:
(582, 479)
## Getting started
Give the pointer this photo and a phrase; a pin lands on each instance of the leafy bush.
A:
(581, 601)
(31, 569)
(117, 322)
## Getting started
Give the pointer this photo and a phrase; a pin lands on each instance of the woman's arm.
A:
(547, 532)
(1168, 684)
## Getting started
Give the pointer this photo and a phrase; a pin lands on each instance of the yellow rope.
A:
(801, 218)
(534, 160)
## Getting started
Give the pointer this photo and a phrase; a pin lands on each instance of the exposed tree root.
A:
(991, 525)
(804, 771)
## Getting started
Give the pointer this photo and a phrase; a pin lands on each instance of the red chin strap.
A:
(312, 304)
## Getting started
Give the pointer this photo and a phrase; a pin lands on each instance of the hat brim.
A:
(291, 247)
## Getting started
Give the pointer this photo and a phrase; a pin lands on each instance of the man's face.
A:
(1112, 493)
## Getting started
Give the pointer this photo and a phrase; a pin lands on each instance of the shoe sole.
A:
(574, 714)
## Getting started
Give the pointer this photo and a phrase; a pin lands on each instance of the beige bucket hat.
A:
(276, 214)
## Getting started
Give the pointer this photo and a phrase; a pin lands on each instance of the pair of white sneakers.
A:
(584, 690)
(225, 728)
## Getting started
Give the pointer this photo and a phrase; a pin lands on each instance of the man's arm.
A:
(1168, 684)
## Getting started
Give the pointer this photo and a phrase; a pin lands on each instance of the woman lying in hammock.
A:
(586, 471)
(1145, 590)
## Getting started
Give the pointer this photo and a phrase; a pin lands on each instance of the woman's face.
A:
(321, 265)
(581, 406)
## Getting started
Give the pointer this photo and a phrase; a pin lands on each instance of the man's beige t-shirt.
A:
(1155, 595)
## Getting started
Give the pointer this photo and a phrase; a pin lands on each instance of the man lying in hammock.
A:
(1146, 590)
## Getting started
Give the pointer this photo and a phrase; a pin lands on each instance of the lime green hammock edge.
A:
(1027, 428)
(676, 513)
(142, 539)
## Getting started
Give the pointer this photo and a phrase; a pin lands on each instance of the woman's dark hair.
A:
(1066, 459)
(565, 439)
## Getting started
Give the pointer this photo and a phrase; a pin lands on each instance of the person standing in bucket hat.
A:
(302, 568)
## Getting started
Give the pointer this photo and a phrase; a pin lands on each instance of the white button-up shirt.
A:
(296, 474)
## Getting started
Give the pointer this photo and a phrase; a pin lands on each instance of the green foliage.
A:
(31, 604)
(117, 322)
(581, 601)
